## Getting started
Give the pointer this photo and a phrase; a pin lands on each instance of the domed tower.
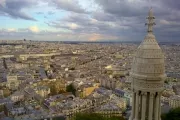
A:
(147, 75)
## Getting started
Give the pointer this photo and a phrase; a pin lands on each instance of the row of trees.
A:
(57, 88)
(70, 88)
(173, 114)
(94, 116)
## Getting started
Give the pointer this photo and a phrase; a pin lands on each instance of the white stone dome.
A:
(148, 71)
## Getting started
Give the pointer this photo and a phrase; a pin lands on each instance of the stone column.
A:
(140, 104)
(151, 99)
(143, 112)
(133, 106)
(160, 106)
(137, 106)
(156, 111)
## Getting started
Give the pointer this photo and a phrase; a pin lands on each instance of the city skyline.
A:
(94, 20)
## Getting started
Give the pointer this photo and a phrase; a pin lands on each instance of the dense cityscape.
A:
(43, 80)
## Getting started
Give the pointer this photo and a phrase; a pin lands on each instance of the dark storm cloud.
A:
(14, 8)
(132, 13)
(77, 18)
(120, 7)
(18, 4)
(174, 4)
(101, 16)
(166, 9)
(68, 5)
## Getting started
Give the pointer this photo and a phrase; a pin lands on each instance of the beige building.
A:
(17, 96)
(109, 83)
(1, 94)
(116, 70)
(122, 103)
(86, 91)
(43, 91)
(147, 77)
(12, 82)
(174, 101)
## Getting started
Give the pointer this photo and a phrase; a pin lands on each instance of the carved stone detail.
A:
(152, 95)
(148, 85)
(144, 93)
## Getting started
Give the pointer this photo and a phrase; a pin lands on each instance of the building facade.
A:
(12, 82)
(147, 77)
(174, 101)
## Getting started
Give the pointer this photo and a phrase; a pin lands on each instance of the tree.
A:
(59, 118)
(1, 108)
(72, 68)
(94, 116)
(53, 90)
(56, 87)
(70, 88)
(174, 114)
(166, 82)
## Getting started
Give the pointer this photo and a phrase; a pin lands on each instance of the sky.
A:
(88, 20)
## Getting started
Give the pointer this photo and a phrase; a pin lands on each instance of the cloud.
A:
(171, 4)
(68, 5)
(132, 13)
(39, 13)
(89, 25)
(14, 8)
(121, 7)
(26, 33)
(34, 29)
(11, 30)
(14, 33)
(67, 24)
(73, 26)
(102, 16)
(108, 19)
(51, 13)
(165, 22)
(3, 3)
(86, 36)
(96, 37)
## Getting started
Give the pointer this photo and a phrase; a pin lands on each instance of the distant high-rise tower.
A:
(147, 74)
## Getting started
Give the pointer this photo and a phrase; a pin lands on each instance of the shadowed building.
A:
(147, 75)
